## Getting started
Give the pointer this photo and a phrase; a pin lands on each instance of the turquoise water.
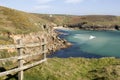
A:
(104, 44)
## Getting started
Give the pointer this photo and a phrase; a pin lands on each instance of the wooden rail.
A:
(21, 57)
(21, 68)
(21, 45)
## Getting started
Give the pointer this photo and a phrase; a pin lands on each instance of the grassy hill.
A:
(104, 20)
(18, 22)
(14, 21)
(57, 19)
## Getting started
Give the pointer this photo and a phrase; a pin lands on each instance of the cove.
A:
(90, 44)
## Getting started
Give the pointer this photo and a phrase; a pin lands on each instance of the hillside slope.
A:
(88, 21)
(17, 22)
(72, 19)
(14, 21)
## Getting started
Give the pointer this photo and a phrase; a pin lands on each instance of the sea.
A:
(89, 44)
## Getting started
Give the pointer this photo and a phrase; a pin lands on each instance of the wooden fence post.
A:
(20, 62)
(44, 47)
(20, 57)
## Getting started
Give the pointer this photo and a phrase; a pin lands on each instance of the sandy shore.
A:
(62, 28)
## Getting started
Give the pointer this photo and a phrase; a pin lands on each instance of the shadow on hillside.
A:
(9, 77)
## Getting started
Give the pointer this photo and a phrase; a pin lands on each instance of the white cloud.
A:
(44, 1)
(42, 7)
(73, 1)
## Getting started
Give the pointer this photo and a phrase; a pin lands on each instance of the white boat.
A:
(92, 37)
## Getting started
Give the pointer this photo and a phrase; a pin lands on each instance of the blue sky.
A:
(74, 7)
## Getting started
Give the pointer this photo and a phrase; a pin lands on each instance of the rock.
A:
(94, 27)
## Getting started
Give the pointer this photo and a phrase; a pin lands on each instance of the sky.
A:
(71, 7)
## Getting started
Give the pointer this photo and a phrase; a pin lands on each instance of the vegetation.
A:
(73, 69)
(76, 69)
(103, 20)
(19, 22)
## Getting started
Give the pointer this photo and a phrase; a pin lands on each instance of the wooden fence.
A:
(20, 58)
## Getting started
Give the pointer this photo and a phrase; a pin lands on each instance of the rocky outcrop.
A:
(51, 38)
(85, 26)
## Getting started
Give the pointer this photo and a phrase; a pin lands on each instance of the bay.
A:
(90, 44)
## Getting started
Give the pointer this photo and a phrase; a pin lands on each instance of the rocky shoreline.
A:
(54, 43)
(85, 26)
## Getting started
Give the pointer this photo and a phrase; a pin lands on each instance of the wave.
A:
(81, 36)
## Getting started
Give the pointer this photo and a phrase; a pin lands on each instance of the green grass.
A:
(76, 69)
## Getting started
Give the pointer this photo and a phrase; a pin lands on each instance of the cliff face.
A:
(53, 42)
